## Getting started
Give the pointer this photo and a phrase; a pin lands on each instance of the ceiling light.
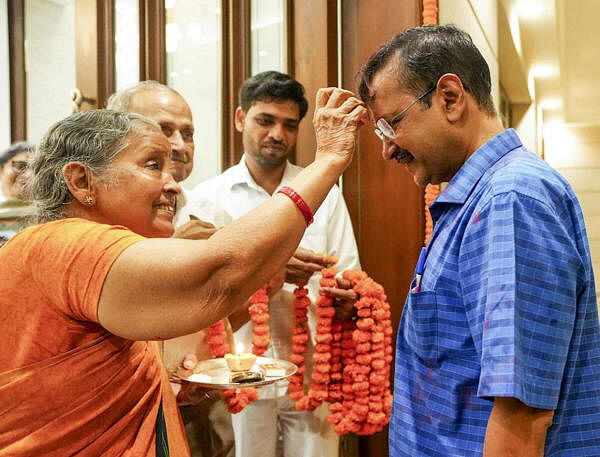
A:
(544, 71)
(515, 31)
(551, 103)
(531, 9)
(531, 85)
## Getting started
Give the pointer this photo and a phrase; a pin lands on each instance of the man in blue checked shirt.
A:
(498, 349)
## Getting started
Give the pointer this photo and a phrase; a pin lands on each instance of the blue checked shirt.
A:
(507, 308)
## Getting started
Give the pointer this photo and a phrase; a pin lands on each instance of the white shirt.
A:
(201, 208)
(330, 233)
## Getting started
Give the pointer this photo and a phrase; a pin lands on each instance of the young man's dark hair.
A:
(423, 54)
(13, 150)
(270, 86)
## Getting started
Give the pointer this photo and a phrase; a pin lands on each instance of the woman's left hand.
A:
(188, 393)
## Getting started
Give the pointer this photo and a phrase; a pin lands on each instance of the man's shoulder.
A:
(212, 183)
(523, 173)
(201, 206)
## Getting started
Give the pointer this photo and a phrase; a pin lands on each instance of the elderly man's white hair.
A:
(120, 101)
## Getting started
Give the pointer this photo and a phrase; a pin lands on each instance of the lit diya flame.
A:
(241, 361)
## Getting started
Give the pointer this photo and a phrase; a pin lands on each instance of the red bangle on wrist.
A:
(299, 202)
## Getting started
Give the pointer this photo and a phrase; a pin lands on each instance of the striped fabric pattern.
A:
(507, 307)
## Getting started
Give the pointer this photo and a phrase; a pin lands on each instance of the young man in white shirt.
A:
(271, 107)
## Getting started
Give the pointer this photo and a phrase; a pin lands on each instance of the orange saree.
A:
(67, 386)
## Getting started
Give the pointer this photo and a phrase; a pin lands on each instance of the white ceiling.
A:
(560, 42)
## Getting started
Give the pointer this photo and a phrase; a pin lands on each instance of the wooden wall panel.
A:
(385, 205)
(152, 40)
(18, 81)
(235, 36)
(94, 54)
(314, 37)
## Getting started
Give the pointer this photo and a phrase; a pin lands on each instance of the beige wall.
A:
(524, 117)
(479, 19)
(50, 63)
(573, 151)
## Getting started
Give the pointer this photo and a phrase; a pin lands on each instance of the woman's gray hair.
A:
(93, 138)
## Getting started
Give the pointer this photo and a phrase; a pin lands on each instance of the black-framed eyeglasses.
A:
(385, 131)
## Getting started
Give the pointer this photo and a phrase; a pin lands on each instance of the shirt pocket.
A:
(421, 325)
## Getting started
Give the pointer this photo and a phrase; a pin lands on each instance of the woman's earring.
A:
(88, 200)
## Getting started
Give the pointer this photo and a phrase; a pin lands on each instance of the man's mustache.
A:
(274, 143)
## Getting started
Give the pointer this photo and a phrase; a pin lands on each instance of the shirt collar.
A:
(240, 174)
(464, 181)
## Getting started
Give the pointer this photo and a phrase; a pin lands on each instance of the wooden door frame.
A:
(152, 40)
(313, 63)
(235, 65)
(17, 75)
(94, 51)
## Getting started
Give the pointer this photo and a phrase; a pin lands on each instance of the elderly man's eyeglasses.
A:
(384, 128)
(18, 166)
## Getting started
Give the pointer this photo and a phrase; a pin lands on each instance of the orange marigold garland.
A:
(300, 338)
(217, 339)
(351, 359)
(259, 315)
(369, 409)
(237, 399)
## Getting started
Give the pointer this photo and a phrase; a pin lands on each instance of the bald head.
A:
(171, 112)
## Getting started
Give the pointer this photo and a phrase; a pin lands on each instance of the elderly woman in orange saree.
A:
(85, 292)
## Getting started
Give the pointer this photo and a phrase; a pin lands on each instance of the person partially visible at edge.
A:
(271, 107)
(99, 277)
(14, 207)
(498, 349)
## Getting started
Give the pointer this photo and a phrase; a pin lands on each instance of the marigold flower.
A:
(260, 329)
(378, 364)
(260, 318)
(300, 292)
(299, 329)
(324, 338)
(258, 308)
(297, 359)
(321, 357)
(299, 348)
(361, 336)
(300, 338)
(362, 348)
(216, 339)
(328, 282)
(365, 323)
(326, 311)
(320, 347)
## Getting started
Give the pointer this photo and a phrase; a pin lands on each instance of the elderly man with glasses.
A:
(498, 349)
